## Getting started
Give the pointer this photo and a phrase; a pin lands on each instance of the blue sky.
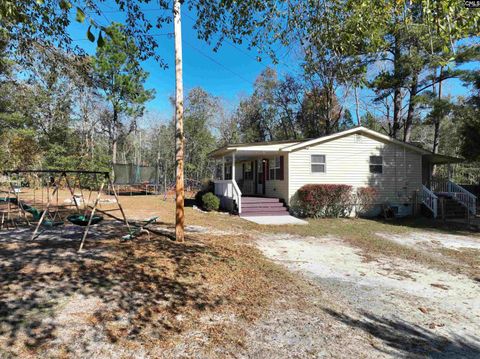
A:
(228, 73)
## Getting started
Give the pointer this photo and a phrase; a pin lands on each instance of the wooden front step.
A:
(453, 208)
(262, 206)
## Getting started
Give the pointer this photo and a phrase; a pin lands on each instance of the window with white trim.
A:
(274, 168)
(376, 164)
(318, 163)
(248, 175)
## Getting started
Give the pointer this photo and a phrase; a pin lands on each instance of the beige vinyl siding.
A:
(347, 162)
(277, 188)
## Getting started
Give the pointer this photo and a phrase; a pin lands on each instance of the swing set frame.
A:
(56, 177)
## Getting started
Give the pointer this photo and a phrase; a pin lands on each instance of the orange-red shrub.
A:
(323, 200)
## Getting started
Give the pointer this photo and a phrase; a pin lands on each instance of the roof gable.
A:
(356, 130)
(295, 145)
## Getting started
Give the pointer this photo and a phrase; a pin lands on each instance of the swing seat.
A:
(52, 224)
(34, 212)
(139, 229)
(81, 220)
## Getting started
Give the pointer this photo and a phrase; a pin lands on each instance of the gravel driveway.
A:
(406, 309)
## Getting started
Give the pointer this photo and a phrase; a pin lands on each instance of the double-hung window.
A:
(318, 164)
(274, 167)
(376, 164)
(248, 175)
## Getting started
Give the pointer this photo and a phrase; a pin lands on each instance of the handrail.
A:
(239, 195)
(236, 193)
(430, 200)
(466, 198)
(438, 184)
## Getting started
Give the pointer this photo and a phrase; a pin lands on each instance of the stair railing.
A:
(237, 196)
(430, 200)
(439, 184)
(466, 198)
(229, 189)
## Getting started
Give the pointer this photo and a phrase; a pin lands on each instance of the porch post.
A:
(233, 166)
(223, 168)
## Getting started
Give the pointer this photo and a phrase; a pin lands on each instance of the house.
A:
(262, 178)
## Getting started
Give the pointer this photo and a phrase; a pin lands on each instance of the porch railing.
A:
(430, 200)
(466, 198)
(438, 184)
(229, 193)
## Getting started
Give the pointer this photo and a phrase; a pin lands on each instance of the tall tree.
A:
(467, 114)
(119, 75)
(288, 95)
(333, 63)
(257, 114)
(200, 111)
(320, 113)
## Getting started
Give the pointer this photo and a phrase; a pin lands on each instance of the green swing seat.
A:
(37, 214)
(82, 220)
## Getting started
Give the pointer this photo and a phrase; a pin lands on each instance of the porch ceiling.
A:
(442, 159)
(244, 153)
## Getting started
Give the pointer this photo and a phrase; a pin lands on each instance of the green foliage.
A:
(20, 149)
(468, 114)
(207, 187)
(210, 202)
(121, 78)
(200, 111)
(321, 114)
(119, 74)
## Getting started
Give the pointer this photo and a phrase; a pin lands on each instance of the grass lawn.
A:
(361, 233)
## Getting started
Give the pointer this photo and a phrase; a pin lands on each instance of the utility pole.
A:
(179, 185)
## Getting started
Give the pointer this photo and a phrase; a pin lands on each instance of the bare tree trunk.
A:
(407, 133)
(114, 151)
(179, 140)
(114, 136)
(436, 132)
(357, 111)
(397, 94)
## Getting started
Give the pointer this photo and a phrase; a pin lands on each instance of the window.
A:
(228, 172)
(248, 171)
(275, 169)
(376, 164)
(317, 163)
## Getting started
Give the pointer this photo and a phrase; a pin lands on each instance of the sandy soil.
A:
(410, 309)
(428, 240)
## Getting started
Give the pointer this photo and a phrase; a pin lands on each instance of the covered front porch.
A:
(249, 180)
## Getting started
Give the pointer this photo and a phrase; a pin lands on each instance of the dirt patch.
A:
(386, 294)
(428, 240)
